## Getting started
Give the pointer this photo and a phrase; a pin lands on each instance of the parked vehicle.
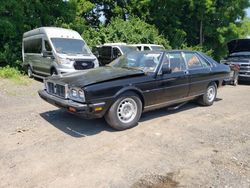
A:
(239, 58)
(135, 83)
(50, 50)
(144, 47)
(110, 51)
(234, 74)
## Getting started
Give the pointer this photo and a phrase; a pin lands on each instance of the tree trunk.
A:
(201, 33)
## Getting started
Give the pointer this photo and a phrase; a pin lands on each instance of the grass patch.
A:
(14, 75)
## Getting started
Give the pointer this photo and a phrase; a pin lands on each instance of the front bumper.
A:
(88, 111)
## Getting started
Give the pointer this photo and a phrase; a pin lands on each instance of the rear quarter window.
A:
(193, 61)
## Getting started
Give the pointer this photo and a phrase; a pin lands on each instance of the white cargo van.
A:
(51, 50)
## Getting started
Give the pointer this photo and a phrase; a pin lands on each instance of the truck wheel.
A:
(235, 82)
(125, 112)
(207, 99)
(29, 72)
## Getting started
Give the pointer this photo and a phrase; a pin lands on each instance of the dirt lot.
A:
(42, 146)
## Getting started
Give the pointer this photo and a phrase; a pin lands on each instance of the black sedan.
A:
(135, 83)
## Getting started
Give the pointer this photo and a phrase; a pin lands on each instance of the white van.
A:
(144, 47)
(51, 50)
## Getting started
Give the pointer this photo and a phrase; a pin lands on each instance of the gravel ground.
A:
(42, 146)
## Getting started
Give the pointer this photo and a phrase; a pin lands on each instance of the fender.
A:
(133, 89)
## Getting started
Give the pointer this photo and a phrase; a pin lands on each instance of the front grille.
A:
(244, 68)
(56, 89)
(82, 65)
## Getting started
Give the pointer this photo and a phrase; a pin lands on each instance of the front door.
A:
(47, 59)
(175, 85)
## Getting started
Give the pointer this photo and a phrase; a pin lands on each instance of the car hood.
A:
(239, 45)
(78, 56)
(92, 76)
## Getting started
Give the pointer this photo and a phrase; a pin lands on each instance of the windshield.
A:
(70, 46)
(128, 49)
(146, 62)
(157, 47)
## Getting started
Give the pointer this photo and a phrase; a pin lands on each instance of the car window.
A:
(146, 48)
(139, 48)
(147, 62)
(193, 61)
(105, 51)
(174, 61)
(116, 52)
(47, 46)
(204, 62)
(33, 46)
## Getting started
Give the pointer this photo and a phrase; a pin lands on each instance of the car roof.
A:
(145, 45)
(170, 51)
(53, 32)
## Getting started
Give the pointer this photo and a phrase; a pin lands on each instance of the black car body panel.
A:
(104, 85)
(102, 74)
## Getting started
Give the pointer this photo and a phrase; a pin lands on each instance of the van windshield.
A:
(70, 46)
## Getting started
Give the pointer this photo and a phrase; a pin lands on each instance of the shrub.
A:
(13, 74)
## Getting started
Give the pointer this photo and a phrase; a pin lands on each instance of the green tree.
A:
(17, 17)
(133, 30)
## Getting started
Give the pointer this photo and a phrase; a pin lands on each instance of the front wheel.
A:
(125, 112)
(235, 81)
(207, 99)
(53, 72)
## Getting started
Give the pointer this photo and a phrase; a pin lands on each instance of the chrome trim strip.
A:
(98, 104)
(173, 101)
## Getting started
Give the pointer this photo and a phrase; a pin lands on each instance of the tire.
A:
(235, 82)
(29, 72)
(208, 98)
(125, 112)
(53, 72)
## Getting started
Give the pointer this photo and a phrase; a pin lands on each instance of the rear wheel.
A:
(125, 112)
(29, 72)
(53, 72)
(207, 99)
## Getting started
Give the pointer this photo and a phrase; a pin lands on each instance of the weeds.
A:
(13, 74)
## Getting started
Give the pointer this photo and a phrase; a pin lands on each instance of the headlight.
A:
(77, 94)
(74, 93)
(81, 94)
(64, 61)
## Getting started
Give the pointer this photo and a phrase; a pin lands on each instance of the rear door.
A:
(48, 58)
(199, 73)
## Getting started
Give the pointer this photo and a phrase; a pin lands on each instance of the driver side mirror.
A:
(166, 69)
(47, 54)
